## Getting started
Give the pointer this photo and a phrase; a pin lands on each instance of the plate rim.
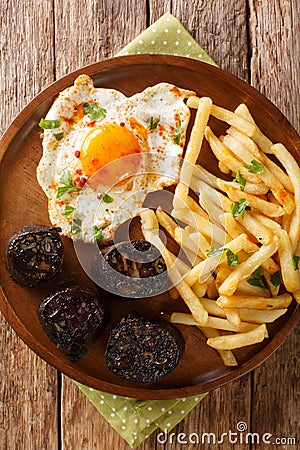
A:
(49, 92)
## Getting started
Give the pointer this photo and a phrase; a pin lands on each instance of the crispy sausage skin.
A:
(34, 254)
(71, 318)
(142, 350)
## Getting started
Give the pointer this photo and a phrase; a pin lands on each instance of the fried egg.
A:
(103, 152)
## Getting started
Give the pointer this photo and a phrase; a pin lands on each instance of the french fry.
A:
(226, 355)
(269, 209)
(250, 188)
(195, 207)
(191, 251)
(226, 116)
(247, 315)
(200, 241)
(248, 302)
(263, 234)
(211, 290)
(215, 233)
(297, 296)
(266, 146)
(235, 229)
(193, 149)
(222, 153)
(259, 138)
(279, 174)
(179, 235)
(245, 288)
(199, 289)
(245, 269)
(293, 171)
(243, 306)
(215, 197)
(285, 252)
(239, 340)
(203, 270)
(247, 143)
(233, 316)
(241, 151)
(212, 322)
(151, 232)
(225, 169)
(204, 175)
(286, 222)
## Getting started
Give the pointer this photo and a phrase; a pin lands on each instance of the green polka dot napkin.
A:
(167, 36)
(135, 419)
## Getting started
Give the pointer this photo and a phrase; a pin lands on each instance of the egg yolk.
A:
(105, 144)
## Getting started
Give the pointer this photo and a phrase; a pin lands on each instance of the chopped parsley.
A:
(49, 124)
(256, 279)
(296, 260)
(59, 136)
(255, 167)
(76, 226)
(232, 258)
(68, 210)
(240, 179)
(238, 208)
(98, 236)
(94, 111)
(275, 278)
(177, 133)
(215, 251)
(107, 198)
(68, 186)
(153, 123)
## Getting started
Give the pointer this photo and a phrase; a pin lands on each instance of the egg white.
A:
(159, 164)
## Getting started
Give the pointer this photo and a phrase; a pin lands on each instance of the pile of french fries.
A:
(241, 238)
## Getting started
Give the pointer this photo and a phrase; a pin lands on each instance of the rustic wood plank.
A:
(275, 42)
(217, 413)
(26, 54)
(219, 27)
(85, 428)
(86, 32)
(28, 397)
(28, 392)
(275, 58)
(275, 396)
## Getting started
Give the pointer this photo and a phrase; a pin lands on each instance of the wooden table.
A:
(257, 40)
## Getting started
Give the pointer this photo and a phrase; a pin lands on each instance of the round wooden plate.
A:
(24, 203)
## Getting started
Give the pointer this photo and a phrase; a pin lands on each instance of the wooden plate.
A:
(24, 203)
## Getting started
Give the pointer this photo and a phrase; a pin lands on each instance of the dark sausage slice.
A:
(34, 254)
(71, 318)
(143, 351)
(132, 269)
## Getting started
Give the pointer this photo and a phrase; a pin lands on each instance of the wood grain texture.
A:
(275, 56)
(28, 405)
(88, 31)
(28, 391)
(275, 60)
(90, 431)
(26, 54)
(215, 25)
